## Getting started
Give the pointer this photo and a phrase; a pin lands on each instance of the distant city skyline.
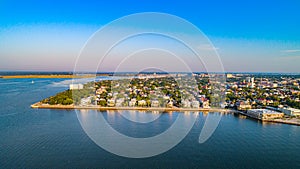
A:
(250, 36)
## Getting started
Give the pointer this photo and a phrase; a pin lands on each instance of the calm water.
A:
(32, 138)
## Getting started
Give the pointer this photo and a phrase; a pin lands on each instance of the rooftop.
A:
(264, 111)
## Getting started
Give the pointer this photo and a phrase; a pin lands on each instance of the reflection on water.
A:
(106, 135)
(241, 116)
(265, 123)
(140, 116)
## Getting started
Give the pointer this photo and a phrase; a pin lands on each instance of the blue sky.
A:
(255, 36)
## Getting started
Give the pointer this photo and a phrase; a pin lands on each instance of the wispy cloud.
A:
(290, 51)
(290, 57)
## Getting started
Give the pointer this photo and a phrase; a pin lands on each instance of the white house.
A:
(132, 103)
(75, 86)
(119, 102)
(85, 101)
(195, 104)
(154, 103)
(290, 111)
(111, 102)
(141, 103)
(186, 103)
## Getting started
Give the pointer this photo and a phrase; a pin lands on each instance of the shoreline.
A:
(284, 121)
(39, 105)
(291, 121)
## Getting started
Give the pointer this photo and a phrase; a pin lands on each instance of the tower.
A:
(252, 82)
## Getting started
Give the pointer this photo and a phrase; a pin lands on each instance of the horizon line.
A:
(111, 72)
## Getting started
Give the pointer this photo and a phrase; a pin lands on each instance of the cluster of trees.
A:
(82, 93)
(68, 97)
(293, 103)
(64, 98)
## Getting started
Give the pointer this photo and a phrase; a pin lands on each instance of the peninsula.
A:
(271, 98)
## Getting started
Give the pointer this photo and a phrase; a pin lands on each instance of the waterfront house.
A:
(132, 103)
(142, 103)
(186, 104)
(85, 101)
(195, 104)
(111, 102)
(154, 103)
(205, 104)
(75, 86)
(119, 102)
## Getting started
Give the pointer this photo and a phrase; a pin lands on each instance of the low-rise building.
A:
(132, 103)
(243, 105)
(111, 102)
(154, 103)
(119, 102)
(290, 111)
(186, 104)
(229, 76)
(264, 114)
(205, 104)
(195, 104)
(75, 86)
(85, 101)
(142, 103)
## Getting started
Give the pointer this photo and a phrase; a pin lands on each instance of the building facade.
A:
(264, 114)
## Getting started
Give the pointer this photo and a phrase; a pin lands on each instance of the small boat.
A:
(32, 82)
